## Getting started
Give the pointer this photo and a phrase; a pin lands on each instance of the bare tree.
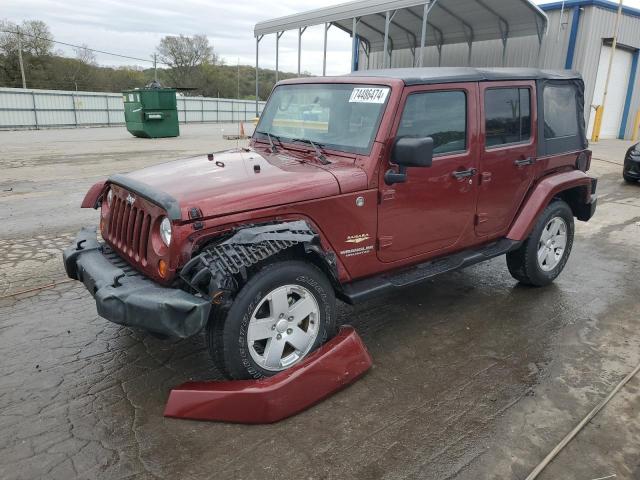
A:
(85, 55)
(184, 56)
(36, 37)
(82, 71)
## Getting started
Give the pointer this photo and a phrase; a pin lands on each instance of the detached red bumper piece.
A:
(336, 364)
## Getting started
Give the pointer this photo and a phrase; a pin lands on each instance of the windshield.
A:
(342, 117)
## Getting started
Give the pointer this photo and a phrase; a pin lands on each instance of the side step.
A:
(362, 290)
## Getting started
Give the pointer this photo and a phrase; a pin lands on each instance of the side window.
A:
(507, 116)
(439, 115)
(560, 111)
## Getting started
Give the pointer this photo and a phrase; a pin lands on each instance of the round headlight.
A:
(165, 231)
(109, 197)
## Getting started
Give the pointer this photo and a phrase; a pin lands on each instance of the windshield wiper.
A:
(271, 137)
(319, 155)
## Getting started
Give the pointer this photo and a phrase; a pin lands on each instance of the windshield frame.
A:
(258, 134)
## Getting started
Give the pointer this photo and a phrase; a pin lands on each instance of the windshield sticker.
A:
(369, 95)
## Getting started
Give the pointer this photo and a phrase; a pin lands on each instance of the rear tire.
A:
(628, 179)
(284, 312)
(543, 256)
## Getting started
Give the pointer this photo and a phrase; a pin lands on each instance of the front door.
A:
(508, 153)
(433, 210)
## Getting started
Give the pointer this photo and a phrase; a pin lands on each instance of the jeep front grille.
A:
(129, 228)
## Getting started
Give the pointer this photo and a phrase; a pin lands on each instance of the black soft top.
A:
(433, 75)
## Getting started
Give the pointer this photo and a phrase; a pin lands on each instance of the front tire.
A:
(628, 178)
(543, 256)
(284, 312)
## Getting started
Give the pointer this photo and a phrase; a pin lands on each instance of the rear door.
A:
(433, 210)
(508, 119)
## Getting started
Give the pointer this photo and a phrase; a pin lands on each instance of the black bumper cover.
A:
(584, 211)
(632, 166)
(132, 300)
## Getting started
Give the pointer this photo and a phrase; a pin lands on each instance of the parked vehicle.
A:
(351, 187)
(631, 169)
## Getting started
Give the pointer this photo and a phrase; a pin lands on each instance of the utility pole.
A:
(24, 82)
(600, 110)
(238, 96)
(155, 67)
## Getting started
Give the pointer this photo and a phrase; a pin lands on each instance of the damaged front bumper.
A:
(125, 297)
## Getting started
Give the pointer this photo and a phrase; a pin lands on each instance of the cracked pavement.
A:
(474, 377)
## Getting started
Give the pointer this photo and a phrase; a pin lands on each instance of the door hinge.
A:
(386, 195)
(481, 218)
(384, 242)
(485, 177)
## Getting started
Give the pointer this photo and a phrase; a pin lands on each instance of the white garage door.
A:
(620, 74)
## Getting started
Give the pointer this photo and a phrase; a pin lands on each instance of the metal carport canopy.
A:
(387, 25)
(449, 21)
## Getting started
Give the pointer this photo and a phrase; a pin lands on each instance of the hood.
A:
(233, 181)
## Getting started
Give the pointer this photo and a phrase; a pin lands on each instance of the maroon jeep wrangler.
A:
(351, 187)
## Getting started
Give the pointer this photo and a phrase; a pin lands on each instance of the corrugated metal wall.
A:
(27, 108)
(595, 25)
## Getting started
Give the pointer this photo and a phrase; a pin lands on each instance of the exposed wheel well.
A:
(576, 198)
(219, 270)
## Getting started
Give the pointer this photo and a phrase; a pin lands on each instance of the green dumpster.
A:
(151, 112)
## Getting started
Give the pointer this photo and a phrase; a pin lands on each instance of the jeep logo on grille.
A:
(130, 199)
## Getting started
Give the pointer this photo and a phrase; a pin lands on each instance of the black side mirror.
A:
(409, 152)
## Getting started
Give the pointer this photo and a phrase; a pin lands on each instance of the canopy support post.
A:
(540, 31)
(385, 48)
(505, 39)
(354, 44)
(300, 32)
(258, 38)
(278, 35)
(470, 38)
(324, 49)
(504, 28)
(367, 51)
(423, 33)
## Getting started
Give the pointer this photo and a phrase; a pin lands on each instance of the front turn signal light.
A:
(163, 269)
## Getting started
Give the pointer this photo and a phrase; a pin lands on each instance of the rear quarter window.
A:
(560, 111)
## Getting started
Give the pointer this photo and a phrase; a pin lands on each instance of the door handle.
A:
(523, 162)
(462, 174)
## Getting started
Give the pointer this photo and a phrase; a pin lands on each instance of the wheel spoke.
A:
(279, 303)
(561, 242)
(301, 309)
(299, 339)
(260, 329)
(273, 353)
(550, 259)
(546, 234)
(542, 253)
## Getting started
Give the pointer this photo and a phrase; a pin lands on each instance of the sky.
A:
(134, 28)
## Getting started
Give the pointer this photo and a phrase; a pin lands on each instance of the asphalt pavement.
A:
(474, 377)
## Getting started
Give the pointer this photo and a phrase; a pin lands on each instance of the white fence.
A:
(28, 108)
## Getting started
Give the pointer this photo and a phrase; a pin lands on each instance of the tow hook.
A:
(79, 244)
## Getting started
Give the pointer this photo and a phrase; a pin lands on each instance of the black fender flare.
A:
(212, 272)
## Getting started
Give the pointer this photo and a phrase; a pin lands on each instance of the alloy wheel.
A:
(283, 327)
(552, 244)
